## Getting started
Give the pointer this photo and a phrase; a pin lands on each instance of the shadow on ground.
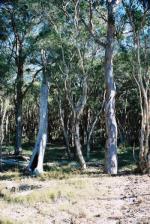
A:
(57, 164)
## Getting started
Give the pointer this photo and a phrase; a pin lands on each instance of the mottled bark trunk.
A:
(77, 112)
(111, 125)
(36, 162)
(78, 144)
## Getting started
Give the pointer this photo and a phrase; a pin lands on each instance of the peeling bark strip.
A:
(111, 125)
(36, 162)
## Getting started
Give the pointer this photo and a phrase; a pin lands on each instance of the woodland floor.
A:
(64, 194)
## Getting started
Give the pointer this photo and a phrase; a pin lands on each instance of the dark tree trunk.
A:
(19, 100)
(64, 124)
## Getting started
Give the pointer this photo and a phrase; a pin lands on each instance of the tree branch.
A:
(31, 83)
(96, 38)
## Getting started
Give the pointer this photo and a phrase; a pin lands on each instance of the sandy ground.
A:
(98, 199)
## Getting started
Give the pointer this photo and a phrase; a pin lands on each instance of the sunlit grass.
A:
(11, 175)
(67, 189)
(5, 220)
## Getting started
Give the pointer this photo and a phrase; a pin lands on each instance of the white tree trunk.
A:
(3, 112)
(4, 107)
(111, 125)
(36, 162)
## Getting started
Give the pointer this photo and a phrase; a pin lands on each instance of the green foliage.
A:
(71, 53)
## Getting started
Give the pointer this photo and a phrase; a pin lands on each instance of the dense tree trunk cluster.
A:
(96, 57)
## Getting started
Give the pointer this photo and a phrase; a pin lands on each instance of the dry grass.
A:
(4, 220)
(75, 199)
(68, 189)
(11, 175)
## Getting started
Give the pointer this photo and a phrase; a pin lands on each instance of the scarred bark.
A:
(111, 125)
(36, 162)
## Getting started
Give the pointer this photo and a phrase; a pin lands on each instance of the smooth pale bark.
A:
(111, 125)
(36, 162)
(3, 111)
(4, 108)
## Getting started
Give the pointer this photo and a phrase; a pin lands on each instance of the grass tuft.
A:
(6, 221)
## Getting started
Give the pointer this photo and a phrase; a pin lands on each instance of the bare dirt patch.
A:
(77, 200)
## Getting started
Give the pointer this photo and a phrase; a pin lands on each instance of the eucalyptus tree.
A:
(75, 78)
(139, 20)
(36, 162)
(46, 50)
(77, 60)
(5, 96)
(93, 14)
(104, 13)
(66, 33)
(19, 23)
